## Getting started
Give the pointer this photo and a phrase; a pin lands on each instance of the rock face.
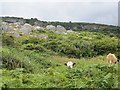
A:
(26, 28)
(50, 27)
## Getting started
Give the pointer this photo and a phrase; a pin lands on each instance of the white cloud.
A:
(100, 12)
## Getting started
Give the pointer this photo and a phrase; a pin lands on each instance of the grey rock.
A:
(17, 25)
(26, 28)
(70, 31)
(6, 27)
(16, 34)
(59, 27)
(43, 36)
(10, 20)
(37, 28)
(0, 18)
(10, 28)
(57, 32)
(50, 27)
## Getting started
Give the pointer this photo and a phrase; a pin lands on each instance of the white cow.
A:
(70, 64)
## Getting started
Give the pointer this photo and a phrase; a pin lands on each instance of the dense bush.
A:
(32, 46)
(8, 39)
(17, 58)
(106, 45)
(86, 44)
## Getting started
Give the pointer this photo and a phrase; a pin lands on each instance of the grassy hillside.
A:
(32, 71)
(36, 59)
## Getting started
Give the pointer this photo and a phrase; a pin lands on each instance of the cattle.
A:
(70, 64)
(111, 58)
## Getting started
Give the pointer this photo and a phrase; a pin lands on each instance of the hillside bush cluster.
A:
(84, 44)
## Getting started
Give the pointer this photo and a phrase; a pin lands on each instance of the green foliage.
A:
(34, 47)
(106, 45)
(8, 39)
(87, 77)
(30, 60)
(32, 69)
(83, 44)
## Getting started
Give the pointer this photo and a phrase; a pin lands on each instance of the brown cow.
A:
(111, 58)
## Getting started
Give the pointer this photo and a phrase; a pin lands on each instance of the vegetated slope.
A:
(35, 58)
(44, 71)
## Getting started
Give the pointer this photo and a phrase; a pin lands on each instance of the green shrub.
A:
(32, 46)
(8, 40)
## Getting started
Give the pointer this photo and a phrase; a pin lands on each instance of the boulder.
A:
(17, 25)
(43, 36)
(57, 32)
(60, 28)
(50, 27)
(70, 31)
(37, 28)
(6, 27)
(26, 28)
(16, 34)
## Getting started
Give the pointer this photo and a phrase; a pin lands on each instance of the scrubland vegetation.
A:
(32, 61)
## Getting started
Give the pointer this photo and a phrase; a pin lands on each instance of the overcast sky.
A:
(104, 12)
